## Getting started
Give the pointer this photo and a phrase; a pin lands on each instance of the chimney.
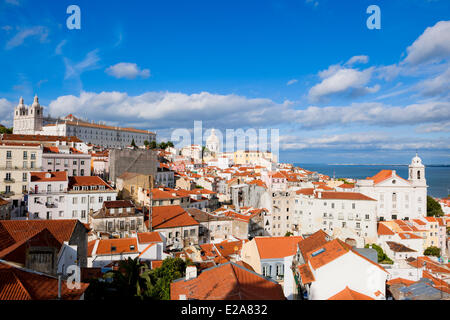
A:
(191, 272)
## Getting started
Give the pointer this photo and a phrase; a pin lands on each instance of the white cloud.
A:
(37, 31)
(437, 85)
(373, 113)
(58, 49)
(127, 70)
(339, 80)
(315, 3)
(357, 59)
(360, 141)
(13, 2)
(6, 112)
(90, 62)
(290, 82)
(171, 109)
(432, 46)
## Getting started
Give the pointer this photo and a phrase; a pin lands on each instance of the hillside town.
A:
(84, 205)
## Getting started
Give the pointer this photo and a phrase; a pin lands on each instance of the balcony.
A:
(51, 205)
(7, 194)
(9, 180)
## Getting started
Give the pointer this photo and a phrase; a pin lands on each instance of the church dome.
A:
(212, 139)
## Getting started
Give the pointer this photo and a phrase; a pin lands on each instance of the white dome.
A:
(212, 139)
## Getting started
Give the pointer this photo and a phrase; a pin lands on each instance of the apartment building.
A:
(16, 161)
(65, 158)
(349, 216)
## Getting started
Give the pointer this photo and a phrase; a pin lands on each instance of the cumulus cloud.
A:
(37, 31)
(373, 113)
(6, 112)
(338, 80)
(127, 70)
(170, 109)
(357, 59)
(436, 86)
(360, 141)
(433, 45)
(173, 109)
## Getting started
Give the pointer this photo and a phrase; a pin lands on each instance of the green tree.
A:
(434, 209)
(432, 251)
(153, 144)
(288, 234)
(146, 143)
(163, 145)
(170, 144)
(3, 129)
(382, 257)
(133, 144)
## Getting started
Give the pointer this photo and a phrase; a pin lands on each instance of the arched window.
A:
(418, 174)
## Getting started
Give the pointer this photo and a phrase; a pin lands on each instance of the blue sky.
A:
(337, 91)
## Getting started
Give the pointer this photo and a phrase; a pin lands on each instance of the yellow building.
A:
(16, 161)
(252, 157)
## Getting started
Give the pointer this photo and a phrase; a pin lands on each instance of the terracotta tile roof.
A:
(384, 230)
(306, 274)
(381, 176)
(156, 264)
(12, 231)
(402, 281)
(398, 247)
(118, 204)
(51, 150)
(305, 191)
(277, 247)
(21, 284)
(349, 294)
(87, 181)
(326, 253)
(101, 126)
(408, 235)
(312, 242)
(122, 246)
(36, 137)
(227, 281)
(228, 248)
(149, 237)
(347, 186)
(48, 176)
(345, 196)
(171, 217)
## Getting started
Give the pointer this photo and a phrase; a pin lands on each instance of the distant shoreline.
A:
(395, 165)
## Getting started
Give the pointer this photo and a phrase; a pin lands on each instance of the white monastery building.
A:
(31, 120)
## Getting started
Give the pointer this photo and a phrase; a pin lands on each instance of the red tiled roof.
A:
(403, 281)
(312, 242)
(12, 231)
(384, 230)
(277, 247)
(306, 274)
(349, 294)
(171, 217)
(21, 284)
(87, 181)
(149, 237)
(345, 196)
(227, 281)
(124, 245)
(48, 176)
